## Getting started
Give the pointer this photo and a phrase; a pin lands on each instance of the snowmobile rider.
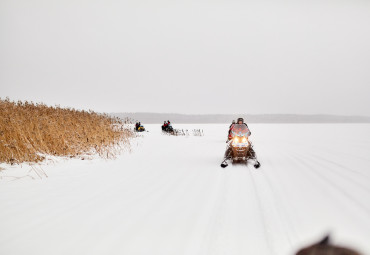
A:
(248, 153)
(241, 122)
(165, 125)
(231, 127)
(232, 124)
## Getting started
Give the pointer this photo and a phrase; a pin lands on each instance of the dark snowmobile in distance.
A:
(239, 148)
(139, 127)
(167, 127)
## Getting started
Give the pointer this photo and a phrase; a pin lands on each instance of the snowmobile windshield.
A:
(240, 130)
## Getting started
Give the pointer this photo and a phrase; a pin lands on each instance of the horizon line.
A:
(254, 114)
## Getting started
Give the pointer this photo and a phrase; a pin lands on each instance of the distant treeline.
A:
(250, 118)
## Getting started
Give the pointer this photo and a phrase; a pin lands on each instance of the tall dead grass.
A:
(29, 131)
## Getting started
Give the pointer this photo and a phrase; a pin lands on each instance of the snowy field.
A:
(170, 196)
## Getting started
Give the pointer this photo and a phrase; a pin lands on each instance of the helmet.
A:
(240, 119)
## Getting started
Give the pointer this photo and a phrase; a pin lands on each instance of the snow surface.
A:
(170, 196)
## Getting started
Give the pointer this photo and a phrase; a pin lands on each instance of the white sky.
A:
(220, 56)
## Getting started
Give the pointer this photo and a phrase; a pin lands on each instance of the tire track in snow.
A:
(339, 173)
(219, 241)
(270, 171)
(65, 210)
(313, 177)
(281, 209)
(331, 150)
(309, 156)
(134, 225)
(342, 166)
(202, 241)
(263, 217)
(326, 180)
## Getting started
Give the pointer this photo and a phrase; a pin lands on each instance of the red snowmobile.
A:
(239, 148)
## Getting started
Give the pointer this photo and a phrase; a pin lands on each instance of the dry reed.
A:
(29, 131)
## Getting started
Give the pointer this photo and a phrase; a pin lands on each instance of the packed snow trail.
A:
(170, 196)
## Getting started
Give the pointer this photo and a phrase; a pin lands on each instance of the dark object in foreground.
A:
(325, 248)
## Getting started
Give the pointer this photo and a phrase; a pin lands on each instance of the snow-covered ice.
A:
(170, 196)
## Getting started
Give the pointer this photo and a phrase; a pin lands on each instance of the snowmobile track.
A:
(170, 196)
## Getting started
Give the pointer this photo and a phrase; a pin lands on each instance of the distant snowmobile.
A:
(239, 149)
(139, 127)
(167, 128)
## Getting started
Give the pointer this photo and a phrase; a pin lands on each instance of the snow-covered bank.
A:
(170, 196)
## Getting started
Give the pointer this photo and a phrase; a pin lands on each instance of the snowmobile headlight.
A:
(236, 140)
(244, 140)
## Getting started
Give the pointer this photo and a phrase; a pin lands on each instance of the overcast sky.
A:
(190, 56)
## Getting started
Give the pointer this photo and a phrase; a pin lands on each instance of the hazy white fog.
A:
(188, 56)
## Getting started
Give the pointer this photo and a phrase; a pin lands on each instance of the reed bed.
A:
(29, 132)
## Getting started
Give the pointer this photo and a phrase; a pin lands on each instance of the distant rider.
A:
(164, 126)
